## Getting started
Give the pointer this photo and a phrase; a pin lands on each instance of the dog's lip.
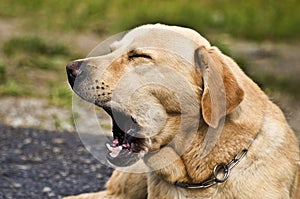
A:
(126, 147)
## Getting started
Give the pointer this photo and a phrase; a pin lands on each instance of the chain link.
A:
(220, 174)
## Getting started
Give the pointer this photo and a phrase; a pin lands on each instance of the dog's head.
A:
(158, 83)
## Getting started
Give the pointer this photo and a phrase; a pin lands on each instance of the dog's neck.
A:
(190, 169)
(238, 132)
(230, 143)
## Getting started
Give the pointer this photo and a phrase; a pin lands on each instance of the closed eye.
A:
(134, 55)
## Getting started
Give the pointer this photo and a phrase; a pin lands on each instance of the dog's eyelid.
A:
(136, 54)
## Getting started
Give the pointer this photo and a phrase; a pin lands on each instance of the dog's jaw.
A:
(127, 145)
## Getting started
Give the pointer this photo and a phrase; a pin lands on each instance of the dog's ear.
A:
(222, 93)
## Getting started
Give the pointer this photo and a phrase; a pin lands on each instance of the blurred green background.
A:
(38, 38)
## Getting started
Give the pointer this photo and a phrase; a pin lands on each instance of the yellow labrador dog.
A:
(187, 114)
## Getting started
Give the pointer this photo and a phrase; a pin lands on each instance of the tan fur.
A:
(252, 121)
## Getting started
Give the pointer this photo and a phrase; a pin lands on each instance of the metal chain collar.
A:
(220, 174)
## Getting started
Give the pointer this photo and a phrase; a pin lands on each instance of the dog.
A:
(188, 114)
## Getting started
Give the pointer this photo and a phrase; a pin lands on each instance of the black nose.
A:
(73, 71)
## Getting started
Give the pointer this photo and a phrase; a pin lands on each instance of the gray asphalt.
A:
(46, 164)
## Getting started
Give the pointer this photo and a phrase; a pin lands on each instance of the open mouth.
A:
(126, 146)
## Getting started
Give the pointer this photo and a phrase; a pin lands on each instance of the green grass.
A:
(34, 66)
(13, 88)
(60, 95)
(59, 15)
(255, 19)
(2, 72)
(33, 45)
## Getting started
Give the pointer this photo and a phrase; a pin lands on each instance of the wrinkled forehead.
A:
(181, 41)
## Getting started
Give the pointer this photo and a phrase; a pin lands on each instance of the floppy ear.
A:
(221, 94)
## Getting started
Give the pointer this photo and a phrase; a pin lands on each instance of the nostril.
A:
(73, 70)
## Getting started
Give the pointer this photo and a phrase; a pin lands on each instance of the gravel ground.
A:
(46, 164)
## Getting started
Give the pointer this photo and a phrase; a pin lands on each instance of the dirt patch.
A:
(36, 113)
(9, 28)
